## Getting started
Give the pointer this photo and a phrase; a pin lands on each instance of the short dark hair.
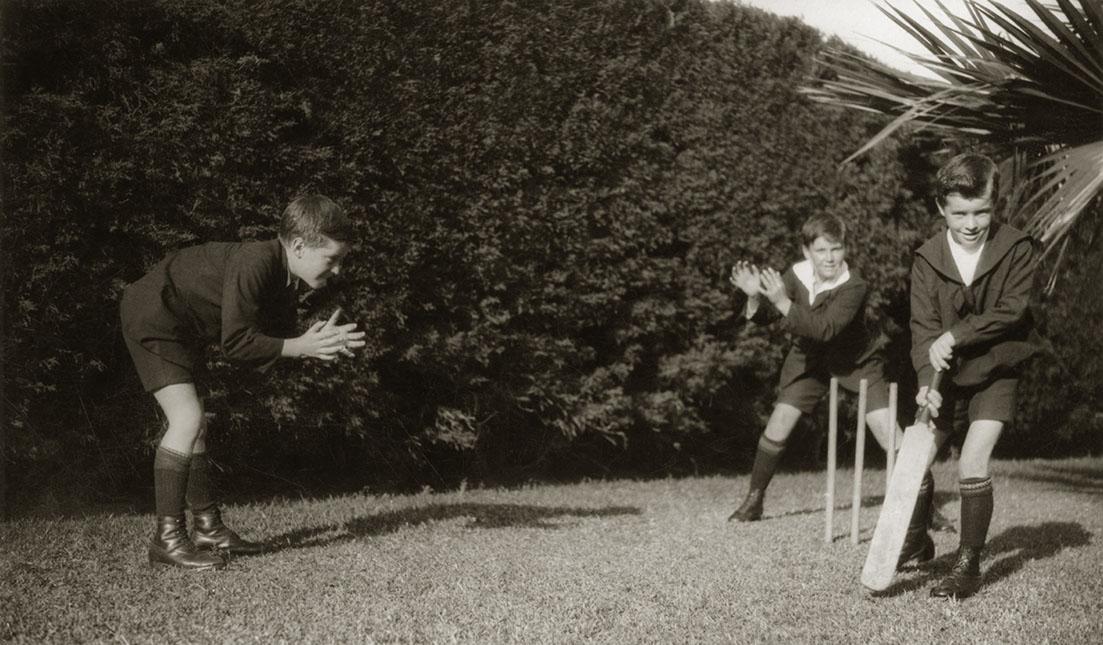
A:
(970, 175)
(314, 217)
(830, 227)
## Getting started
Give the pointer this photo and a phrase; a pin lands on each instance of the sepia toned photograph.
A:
(551, 321)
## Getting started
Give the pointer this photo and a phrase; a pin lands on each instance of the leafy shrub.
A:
(549, 196)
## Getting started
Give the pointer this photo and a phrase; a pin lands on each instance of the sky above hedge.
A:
(861, 24)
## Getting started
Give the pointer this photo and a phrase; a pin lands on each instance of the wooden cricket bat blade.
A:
(916, 451)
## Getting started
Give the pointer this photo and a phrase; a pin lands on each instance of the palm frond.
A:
(1052, 55)
(1067, 181)
(1030, 86)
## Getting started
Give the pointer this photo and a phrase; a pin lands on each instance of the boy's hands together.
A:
(756, 282)
(325, 340)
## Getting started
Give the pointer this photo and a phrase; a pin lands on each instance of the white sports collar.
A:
(965, 260)
(805, 273)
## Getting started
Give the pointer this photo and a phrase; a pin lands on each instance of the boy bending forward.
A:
(244, 296)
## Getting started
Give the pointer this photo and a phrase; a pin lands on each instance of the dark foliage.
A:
(549, 195)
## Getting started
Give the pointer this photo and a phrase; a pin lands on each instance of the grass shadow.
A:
(478, 516)
(1074, 478)
(1006, 553)
(939, 521)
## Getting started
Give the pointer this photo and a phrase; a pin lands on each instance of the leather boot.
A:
(211, 533)
(170, 545)
(918, 546)
(751, 508)
(964, 578)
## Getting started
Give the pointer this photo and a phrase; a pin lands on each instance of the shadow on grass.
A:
(478, 516)
(1074, 478)
(1005, 554)
(939, 521)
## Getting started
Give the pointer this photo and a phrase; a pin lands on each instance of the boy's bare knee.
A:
(187, 423)
(782, 421)
(878, 420)
(973, 463)
(881, 426)
(976, 451)
(972, 469)
(182, 408)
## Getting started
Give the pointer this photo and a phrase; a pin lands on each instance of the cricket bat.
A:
(916, 451)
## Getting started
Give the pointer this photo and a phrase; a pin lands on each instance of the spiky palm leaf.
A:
(1032, 87)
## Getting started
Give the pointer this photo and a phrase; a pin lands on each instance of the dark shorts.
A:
(805, 391)
(991, 401)
(158, 346)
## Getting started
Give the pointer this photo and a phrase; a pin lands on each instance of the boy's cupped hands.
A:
(327, 340)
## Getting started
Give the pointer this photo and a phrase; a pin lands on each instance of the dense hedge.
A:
(548, 195)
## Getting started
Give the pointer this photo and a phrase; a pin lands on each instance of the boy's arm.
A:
(1011, 307)
(243, 288)
(824, 324)
(755, 311)
(926, 324)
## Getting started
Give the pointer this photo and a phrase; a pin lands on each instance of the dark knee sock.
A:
(976, 510)
(765, 462)
(921, 515)
(199, 483)
(170, 481)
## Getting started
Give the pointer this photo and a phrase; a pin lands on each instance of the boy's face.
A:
(826, 257)
(314, 265)
(968, 218)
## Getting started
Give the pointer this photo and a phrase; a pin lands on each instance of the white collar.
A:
(958, 249)
(965, 260)
(805, 273)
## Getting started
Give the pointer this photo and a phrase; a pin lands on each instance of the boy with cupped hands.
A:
(244, 296)
(822, 303)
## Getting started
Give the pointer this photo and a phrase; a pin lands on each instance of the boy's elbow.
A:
(235, 347)
(233, 352)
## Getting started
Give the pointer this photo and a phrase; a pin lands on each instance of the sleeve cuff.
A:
(961, 334)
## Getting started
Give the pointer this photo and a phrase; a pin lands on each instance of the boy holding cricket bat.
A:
(244, 296)
(970, 289)
(822, 301)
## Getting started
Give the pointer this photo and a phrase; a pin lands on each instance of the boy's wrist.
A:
(751, 307)
(290, 348)
(783, 305)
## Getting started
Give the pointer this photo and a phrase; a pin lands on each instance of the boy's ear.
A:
(297, 245)
(806, 251)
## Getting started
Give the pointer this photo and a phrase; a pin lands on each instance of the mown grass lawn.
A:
(608, 562)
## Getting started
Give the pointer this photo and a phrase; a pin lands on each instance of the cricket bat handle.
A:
(924, 413)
